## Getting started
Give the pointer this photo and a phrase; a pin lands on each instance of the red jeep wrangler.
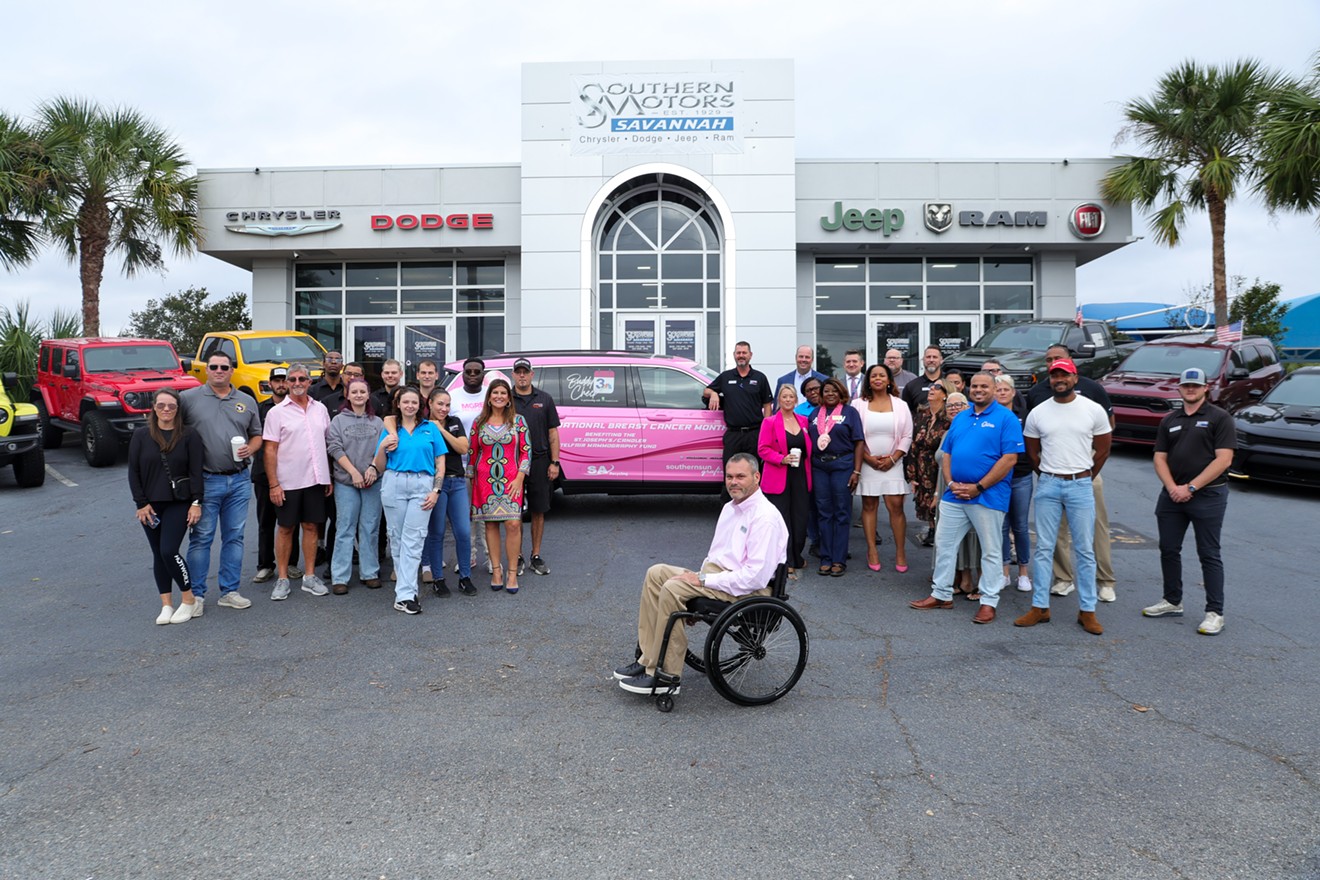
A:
(102, 388)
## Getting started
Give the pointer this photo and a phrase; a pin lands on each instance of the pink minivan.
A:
(629, 423)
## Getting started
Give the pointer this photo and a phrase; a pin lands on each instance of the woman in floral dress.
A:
(930, 423)
(499, 462)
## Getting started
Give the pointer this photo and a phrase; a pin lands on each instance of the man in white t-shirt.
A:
(465, 403)
(1067, 439)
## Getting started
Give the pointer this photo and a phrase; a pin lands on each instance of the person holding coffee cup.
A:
(785, 450)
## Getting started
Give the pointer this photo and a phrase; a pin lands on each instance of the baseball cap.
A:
(522, 364)
(279, 372)
(1064, 364)
(1192, 376)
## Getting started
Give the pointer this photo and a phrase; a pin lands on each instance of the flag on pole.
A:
(1078, 319)
(1231, 333)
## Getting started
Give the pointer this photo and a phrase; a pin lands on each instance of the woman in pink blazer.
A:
(785, 451)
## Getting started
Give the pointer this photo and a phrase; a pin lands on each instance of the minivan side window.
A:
(665, 388)
(548, 379)
(605, 385)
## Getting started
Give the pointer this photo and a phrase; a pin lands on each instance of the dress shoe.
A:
(984, 614)
(371, 583)
(1033, 617)
(1087, 621)
(339, 589)
(930, 603)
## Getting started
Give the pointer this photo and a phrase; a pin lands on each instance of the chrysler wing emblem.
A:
(282, 229)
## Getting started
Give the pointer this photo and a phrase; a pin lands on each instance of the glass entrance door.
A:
(372, 341)
(911, 335)
(672, 333)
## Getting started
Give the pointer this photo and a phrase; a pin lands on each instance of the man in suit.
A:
(852, 372)
(801, 374)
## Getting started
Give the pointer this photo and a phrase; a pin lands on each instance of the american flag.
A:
(1078, 318)
(1231, 333)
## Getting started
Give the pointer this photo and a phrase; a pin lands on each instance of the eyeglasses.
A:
(301, 380)
(335, 360)
(473, 372)
(166, 407)
(219, 368)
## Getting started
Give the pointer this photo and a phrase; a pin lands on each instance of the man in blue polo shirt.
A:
(980, 449)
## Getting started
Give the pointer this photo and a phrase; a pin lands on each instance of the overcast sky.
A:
(352, 83)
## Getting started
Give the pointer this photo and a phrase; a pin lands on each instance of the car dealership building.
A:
(661, 206)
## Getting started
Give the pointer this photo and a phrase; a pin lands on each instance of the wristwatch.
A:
(701, 578)
(980, 490)
(1191, 487)
(555, 462)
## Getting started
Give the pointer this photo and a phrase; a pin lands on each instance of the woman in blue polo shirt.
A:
(412, 475)
(836, 462)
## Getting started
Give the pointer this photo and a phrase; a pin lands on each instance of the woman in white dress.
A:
(887, 422)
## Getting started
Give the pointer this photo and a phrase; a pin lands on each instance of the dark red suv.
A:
(1144, 388)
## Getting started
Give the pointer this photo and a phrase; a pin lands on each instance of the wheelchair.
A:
(753, 650)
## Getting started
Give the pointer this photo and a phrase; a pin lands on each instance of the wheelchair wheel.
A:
(756, 651)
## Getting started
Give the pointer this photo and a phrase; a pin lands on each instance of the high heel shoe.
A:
(874, 566)
(497, 578)
(511, 588)
(900, 568)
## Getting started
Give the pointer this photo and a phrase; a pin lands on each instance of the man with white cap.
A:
(1193, 449)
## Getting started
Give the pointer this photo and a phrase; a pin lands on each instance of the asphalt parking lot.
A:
(334, 737)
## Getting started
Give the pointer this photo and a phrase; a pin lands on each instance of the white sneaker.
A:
(199, 605)
(1024, 584)
(234, 600)
(1007, 580)
(263, 575)
(183, 613)
(1212, 625)
(1062, 589)
(1107, 594)
(280, 593)
(314, 585)
(1162, 609)
(166, 612)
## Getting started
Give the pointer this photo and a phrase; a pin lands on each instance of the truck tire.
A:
(30, 468)
(100, 447)
(51, 437)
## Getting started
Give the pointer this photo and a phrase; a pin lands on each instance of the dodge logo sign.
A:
(1087, 220)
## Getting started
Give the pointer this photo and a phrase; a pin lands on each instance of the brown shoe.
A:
(339, 589)
(1033, 617)
(1088, 622)
(371, 583)
(930, 603)
(984, 614)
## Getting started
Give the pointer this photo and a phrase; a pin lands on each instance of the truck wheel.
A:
(100, 447)
(30, 468)
(51, 437)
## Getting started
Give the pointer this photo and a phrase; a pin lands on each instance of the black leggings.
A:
(167, 563)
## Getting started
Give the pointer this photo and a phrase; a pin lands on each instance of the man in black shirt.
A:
(1193, 449)
(1063, 556)
(279, 389)
(331, 379)
(538, 409)
(744, 395)
(916, 391)
(382, 399)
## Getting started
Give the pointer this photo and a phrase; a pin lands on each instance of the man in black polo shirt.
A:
(538, 409)
(331, 379)
(1063, 558)
(1193, 449)
(279, 389)
(932, 371)
(744, 395)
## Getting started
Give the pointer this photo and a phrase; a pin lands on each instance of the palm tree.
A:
(119, 184)
(1290, 139)
(1200, 130)
(20, 194)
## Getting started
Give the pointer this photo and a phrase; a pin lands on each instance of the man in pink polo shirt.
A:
(298, 469)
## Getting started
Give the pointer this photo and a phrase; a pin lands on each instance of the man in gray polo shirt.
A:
(219, 413)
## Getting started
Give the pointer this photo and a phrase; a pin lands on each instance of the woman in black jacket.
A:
(165, 477)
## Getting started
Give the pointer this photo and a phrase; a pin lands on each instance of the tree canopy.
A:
(185, 317)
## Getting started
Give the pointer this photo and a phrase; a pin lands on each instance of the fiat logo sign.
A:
(1087, 220)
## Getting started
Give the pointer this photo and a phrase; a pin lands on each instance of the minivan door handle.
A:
(658, 417)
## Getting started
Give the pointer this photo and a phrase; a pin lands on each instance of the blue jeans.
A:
(1054, 497)
(952, 525)
(225, 505)
(402, 494)
(357, 515)
(1018, 521)
(452, 506)
(834, 508)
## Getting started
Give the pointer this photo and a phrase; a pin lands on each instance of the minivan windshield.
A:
(1171, 360)
(123, 358)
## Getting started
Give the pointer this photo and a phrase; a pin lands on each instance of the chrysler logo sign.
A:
(286, 221)
(1087, 220)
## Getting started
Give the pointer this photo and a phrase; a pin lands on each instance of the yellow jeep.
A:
(20, 438)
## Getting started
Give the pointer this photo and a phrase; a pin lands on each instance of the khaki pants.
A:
(1104, 560)
(663, 594)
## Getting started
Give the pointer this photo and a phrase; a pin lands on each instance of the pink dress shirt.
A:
(750, 542)
(301, 459)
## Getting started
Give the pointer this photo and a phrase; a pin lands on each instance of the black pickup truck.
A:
(1020, 347)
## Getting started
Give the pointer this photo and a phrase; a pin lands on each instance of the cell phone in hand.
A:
(153, 521)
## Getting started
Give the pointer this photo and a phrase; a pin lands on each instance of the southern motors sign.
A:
(655, 113)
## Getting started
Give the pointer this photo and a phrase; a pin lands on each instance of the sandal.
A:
(511, 588)
(823, 571)
(837, 569)
(972, 596)
(497, 578)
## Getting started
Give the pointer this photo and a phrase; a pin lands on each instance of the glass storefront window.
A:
(829, 271)
(1008, 296)
(896, 297)
(479, 334)
(1016, 269)
(684, 266)
(953, 297)
(371, 302)
(319, 302)
(318, 275)
(896, 270)
(835, 334)
(480, 300)
(427, 301)
(840, 298)
(427, 274)
(953, 270)
(681, 295)
(371, 275)
(327, 331)
(643, 266)
(483, 274)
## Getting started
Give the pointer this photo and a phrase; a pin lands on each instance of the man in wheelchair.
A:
(750, 542)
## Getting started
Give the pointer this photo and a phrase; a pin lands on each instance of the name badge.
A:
(1203, 424)
(1173, 429)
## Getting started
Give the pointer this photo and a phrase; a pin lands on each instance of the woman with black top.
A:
(453, 503)
(164, 463)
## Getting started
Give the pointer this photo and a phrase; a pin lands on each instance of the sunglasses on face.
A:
(166, 407)
(301, 380)
(334, 360)
(219, 368)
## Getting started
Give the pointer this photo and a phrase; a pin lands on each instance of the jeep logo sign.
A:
(1087, 220)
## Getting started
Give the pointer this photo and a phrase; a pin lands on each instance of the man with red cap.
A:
(1067, 439)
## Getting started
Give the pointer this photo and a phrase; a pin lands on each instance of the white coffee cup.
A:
(794, 457)
(236, 443)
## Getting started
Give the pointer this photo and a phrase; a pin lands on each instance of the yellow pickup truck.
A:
(20, 438)
(255, 352)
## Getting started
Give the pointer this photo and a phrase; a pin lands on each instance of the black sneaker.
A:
(539, 566)
(928, 540)
(522, 566)
(408, 606)
(632, 670)
(466, 588)
(440, 587)
(645, 684)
